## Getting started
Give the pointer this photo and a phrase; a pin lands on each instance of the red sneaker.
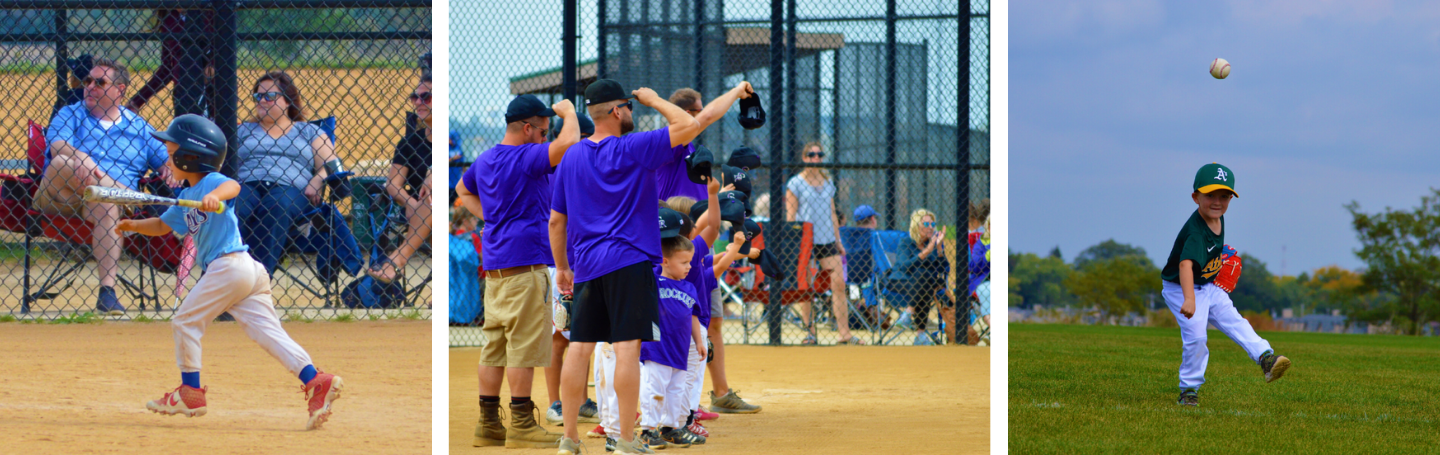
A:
(698, 429)
(321, 392)
(598, 432)
(702, 414)
(183, 400)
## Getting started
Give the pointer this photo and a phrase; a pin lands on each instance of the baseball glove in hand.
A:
(1229, 269)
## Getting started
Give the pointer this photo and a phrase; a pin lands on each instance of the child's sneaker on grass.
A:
(1273, 366)
(1189, 398)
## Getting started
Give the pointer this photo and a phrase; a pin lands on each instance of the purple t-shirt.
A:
(696, 278)
(673, 180)
(710, 285)
(513, 184)
(677, 305)
(607, 191)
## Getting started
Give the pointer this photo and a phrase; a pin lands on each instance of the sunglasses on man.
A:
(628, 105)
(267, 96)
(420, 97)
(100, 83)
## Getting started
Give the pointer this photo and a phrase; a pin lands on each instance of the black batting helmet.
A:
(202, 145)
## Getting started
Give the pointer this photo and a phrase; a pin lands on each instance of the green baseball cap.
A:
(1215, 176)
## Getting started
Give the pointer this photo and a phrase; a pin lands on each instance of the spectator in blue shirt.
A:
(97, 141)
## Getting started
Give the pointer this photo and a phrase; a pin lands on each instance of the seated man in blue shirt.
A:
(98, 141)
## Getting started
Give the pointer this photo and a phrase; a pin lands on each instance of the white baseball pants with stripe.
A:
(663, 396)
(238, 284)
(605, 399)
(1212, 306)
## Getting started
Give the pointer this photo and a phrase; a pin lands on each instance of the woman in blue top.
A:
(281, 167)
(810, 197)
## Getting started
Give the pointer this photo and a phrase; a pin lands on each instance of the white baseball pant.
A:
(662, 396)
(1212, 306)
(238, 284)
(694, 379)
(606, 401)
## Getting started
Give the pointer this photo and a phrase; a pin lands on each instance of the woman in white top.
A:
(810, 197)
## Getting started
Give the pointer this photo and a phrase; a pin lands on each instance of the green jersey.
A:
(1197, 243)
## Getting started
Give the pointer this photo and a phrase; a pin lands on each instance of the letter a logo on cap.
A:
(1221, 175)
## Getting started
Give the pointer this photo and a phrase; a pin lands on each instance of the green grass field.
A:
(1096, 389)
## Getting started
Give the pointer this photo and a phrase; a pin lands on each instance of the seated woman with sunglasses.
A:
(409, 185)
(281, 168)
(919, 274)
(810, 197)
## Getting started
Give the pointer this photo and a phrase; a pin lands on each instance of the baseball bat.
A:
(130, 197)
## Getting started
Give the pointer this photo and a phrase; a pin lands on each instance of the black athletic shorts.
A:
(618, 306)
(825, 250)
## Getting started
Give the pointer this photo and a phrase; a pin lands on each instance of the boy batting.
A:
(1191, 293)
(232, 281)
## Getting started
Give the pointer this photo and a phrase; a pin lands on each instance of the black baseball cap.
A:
(670, 223)
(731, 210)
(738, 177)
(752, 116)
(526, 106)
(587, 126)
(699, 165)
(604, 91)
(744, 158)
(771, 266)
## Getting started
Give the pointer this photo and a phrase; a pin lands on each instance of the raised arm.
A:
(683, 127)
(709, 224)
(731, 254)
(569, 132)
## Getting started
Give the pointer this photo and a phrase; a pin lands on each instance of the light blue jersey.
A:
(216, 234)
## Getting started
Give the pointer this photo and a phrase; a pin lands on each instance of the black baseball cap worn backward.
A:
(604, 91)
(526, 106)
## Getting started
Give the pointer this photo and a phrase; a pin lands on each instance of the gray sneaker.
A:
(652, 439)
(569, 447)
(623, 447)
(1273, 366)
(731, 403)
(553, 415)
(589, 412)
(609, 444)
(1189, 398)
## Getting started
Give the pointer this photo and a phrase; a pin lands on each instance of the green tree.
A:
(1038, 280)
(1257, 289)
(1116, 285)
(1401, 250)
(1111, 249)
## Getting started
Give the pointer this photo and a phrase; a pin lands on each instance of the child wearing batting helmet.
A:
(233, 281)
(1189, 286)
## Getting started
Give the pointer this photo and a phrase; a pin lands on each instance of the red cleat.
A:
(321, 392)
(185, 400)
(702, 414)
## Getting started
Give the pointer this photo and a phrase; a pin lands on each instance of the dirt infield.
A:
(909, 400)
(83, 388)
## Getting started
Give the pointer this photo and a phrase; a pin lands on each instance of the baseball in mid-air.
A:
(1220, 68)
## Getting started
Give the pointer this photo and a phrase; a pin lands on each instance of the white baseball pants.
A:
(1212, 306)
(694, 379)
(605, 399)
(238, 284)
(662, 396)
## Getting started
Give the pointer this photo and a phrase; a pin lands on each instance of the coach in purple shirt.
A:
(603, 223)
(508, 187)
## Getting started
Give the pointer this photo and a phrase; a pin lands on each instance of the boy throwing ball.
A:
(1190, 291)
(232, 281)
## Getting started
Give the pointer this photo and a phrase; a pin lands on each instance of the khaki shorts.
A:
(518, 323)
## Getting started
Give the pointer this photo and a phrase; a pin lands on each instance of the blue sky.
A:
(1113, 111)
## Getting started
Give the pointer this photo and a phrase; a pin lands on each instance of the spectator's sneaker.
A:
(569, 447)
(1189, 398)
(321, 392)
(1273, 366)
(650, 438)
(589, 412)
(609, 444)
(183, 400)
(731, 403)
(697, 428)
(598, 432)
(923, 339)
(553, 415)
(702, 414)
(107, 304)
(635, 447)
(904, 322)
(682, 438)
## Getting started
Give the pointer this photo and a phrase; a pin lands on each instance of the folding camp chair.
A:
(320, 241)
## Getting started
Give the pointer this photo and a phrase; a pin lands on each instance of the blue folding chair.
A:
(321, 240)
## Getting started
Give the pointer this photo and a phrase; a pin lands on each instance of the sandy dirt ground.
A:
(82, 389)
(826, 400)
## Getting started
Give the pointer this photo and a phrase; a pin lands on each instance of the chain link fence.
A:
(865, 108)
(325, 114)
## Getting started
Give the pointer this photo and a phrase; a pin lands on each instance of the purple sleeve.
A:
(468, 178)
(557, 194)
(535, 159)
(651, 148)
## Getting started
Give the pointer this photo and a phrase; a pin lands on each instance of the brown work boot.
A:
(490, 431)
(525, 433)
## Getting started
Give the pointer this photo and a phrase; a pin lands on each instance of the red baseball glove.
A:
(1229, 269)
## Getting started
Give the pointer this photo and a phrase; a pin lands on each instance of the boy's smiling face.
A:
(1213, 204)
